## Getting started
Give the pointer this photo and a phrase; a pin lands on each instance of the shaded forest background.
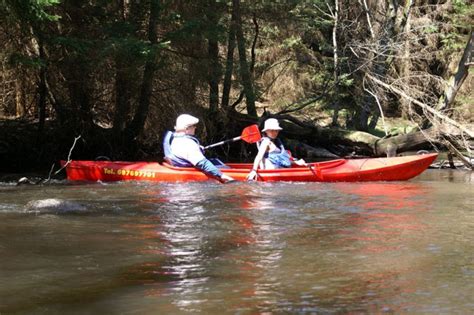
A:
(344, 77)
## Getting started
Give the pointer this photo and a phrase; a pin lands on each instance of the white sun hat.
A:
(184, 121)
(271, 124)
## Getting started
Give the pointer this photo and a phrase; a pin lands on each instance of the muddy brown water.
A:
(243, 248)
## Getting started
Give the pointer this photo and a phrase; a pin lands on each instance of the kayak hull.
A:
(342, 170)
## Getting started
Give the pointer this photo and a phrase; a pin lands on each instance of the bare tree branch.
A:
(424, 106)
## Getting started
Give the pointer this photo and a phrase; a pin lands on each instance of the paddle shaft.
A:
(246, 136)
(222, 142)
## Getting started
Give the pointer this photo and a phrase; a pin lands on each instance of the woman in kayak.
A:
(182, 148)
(271, 152)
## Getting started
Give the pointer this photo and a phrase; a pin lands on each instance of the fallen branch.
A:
(448, 120)
(458, 154)
(380, 109)
(67, 162)
(25, 180)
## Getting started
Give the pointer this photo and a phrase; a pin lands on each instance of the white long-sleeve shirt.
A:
(188, 149)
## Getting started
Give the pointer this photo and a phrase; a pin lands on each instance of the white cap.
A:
(271, 124)
(184, 121)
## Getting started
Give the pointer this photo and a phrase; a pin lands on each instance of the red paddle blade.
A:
(251, 134)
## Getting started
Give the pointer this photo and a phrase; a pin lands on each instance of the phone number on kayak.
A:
(124, 172)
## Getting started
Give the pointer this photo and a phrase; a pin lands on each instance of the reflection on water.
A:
(239, 248)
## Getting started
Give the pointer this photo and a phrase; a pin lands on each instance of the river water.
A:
(241, 248)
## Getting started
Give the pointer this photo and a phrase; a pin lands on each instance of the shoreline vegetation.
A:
(344, 78)
(38, 164)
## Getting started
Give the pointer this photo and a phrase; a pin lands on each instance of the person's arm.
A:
(261, 153)
(196, 158)
(299, 162)
(207, 167)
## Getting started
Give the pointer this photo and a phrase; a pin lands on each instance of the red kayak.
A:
(342, 170)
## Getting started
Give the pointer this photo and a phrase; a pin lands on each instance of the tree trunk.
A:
(253, 56)
(458, 79)
(335, 116)
(122, 84)
(79, 94)
(122, 96)
(362, 142)
(42, 91)
(78, 74)
(362, 114)
(384, 34)
(138, 122)
(374, 120)
(213, 55)
(299, 149)
(214, 73)
(375, 146)
(401, 143)
(404, 27)
(20, 96)
(229, 68)
(245, 74)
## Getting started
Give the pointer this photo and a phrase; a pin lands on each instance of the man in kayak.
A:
(271, 152)
(182, 148)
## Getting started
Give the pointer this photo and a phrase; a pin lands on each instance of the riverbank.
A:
(24, 151)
